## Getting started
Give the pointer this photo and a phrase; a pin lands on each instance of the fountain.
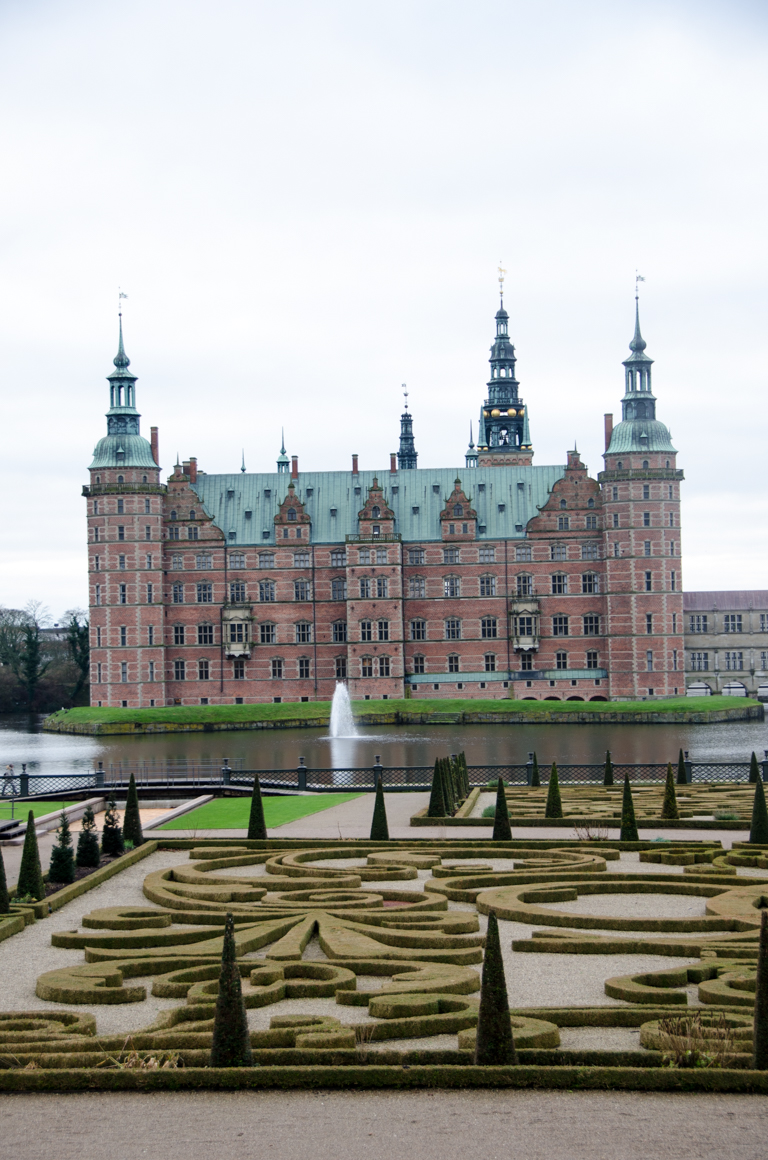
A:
(342, 721)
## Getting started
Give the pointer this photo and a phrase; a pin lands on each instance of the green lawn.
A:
(232, 813)
(298, 710)
(21, 809)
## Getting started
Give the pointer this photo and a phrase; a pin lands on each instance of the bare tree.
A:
(78, 641)
(22, 647)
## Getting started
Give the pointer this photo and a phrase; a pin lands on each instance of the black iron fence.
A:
(178, 776)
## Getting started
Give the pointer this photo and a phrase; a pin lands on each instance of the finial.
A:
(121, 360)
(282, 440)
(405, 392)
(502, 272)
(638, 343)
(243, 464)
(638, 279)
(471, 439)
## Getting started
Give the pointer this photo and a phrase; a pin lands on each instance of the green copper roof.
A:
(640, 435)
(505, 499)
(136, 452)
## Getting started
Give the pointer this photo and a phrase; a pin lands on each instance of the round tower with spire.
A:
(503, 433)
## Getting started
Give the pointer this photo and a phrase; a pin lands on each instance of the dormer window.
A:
(291, 513)
(458, 510)
(120, 479)
(192, 515)
(563, 503)
(376, 530)
(375, 513)
(173, 515)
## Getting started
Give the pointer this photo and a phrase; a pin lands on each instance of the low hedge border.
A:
(371, 1076)
(420, 819)
(67, 893)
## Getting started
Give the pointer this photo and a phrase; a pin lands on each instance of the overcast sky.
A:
(307, 203)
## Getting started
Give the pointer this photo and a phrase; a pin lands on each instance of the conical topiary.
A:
(760, 1039)
(502, 831)
(608, 775)
(681, 778)
(495, 1044)
(754, 769)
(257, 827)
(535, 775)
(436, 800)
(669, 808)
(231, 1040)
(449, 790)
(112, 831)
(554, 803)
(30, 883)
(758, 831)
(87, 841)
(62, 864)
(4, 899)
(462, 759)
(132, 820)
(379, 827)
(628, 823)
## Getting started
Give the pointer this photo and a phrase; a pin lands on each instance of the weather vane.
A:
(638, 279)
(502, 272)
(405, 392)
(120, 297)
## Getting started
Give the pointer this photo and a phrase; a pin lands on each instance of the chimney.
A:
(393, 462)
(354, 465)
(193, 469)
(608, 430)
(185, 467)
(153, 442)
(294, 467)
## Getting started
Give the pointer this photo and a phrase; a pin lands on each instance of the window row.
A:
(568, 523)
(419, 663)
(101, 508)
(100, 536)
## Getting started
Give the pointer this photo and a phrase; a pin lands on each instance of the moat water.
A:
(21, 740)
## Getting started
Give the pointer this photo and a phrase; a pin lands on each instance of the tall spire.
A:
(407, 456)
(639, 429)
(471, 455)
(283, 462)
(122, 417)
(503, 435)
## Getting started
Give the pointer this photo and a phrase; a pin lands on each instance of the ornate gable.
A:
(376, 518)
(574, 507)
(458, 519)
(291, 521)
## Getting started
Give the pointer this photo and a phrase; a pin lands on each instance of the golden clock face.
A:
(495, 412)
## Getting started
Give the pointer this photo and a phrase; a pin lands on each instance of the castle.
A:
(510, 580)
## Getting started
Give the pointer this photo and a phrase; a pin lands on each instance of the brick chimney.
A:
(294, 467)
(355, 470)
(608, 430)
(393, 462)
(154, 444)
(193, 469)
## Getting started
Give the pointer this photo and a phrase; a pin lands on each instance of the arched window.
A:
(666, 463)
(144, 478)
(291, 513)
(645, 464)
(192, 515)
(98, 479)
(120, 479)
(375, 513)
(563, 503)
(590, 503)
(458, 510)
(620, 466)
(173, 515)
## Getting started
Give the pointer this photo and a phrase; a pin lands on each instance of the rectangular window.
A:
(341, 668)
(453, 662)
(700, 662)
(592, 624)
(590, 583)
(237, 592)
(301, 559)
(96, 562)
(98, 673)
(384, 670)
(417, 587)
(450, 555)
(615, 494)
(173, 533)
(674, 660)
(95, 507)
(147, 507)
(453, 629)
(120, 507)
(649, 582)
(526, 662)
(383, 629)
(649, 661)
(151, 635)
(267, 591)
(366, 630)
(524, 584)
(488, 628)
(179, 670)
(560, 626)
(205, 634)
(490, 662)
(649, 623)
(147, 532)
(266, 560)
(149, 561)
(764, 621)
(123, 593)
(673, 581)
(364, 556)
(671, 547)
(674, 622)
(646, 519)
(734, 661)
(523, 626)
(301, 590)
(338, 558)
(418, 630)
(419, 664)
(382, 588)
(338, 589)
(97, 594)
(523, 553)
(365, 589)
(366, 666)
(193, 533)
(151, 670)
(591, 523)
(763, 661)
(487, 585)
(646, 547)
(487, 555)
(204, 563)
(178, 634)
(123, 636)
(203, 671)
(563, 523)
(177, 563)
(558, 552)
(416, 556)
(561, 660)
(123, 671)
(303, 632)
(592, 660)
(451, 586)
(382, 556)
(559, 584)
(98, 638)
(121, 563)
(646, 491)
(238, 670)
(732, 622)
(303, 668)
(267, 633)
(205, 593)
(616, 519)
(238, 632)
(150, 593)
(339, 631)
(120, 532)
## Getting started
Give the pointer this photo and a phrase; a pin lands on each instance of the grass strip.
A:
(232, 813)
(21, 808)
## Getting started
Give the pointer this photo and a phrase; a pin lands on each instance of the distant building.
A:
(726, 643)
(506, 579)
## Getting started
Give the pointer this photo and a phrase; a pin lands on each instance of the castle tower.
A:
(407, 456)
(503, 435)
(641, 505)
(125, 516)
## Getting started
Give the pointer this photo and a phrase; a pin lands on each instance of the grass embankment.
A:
(21, 809)
(232, 813)
(410, 709)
